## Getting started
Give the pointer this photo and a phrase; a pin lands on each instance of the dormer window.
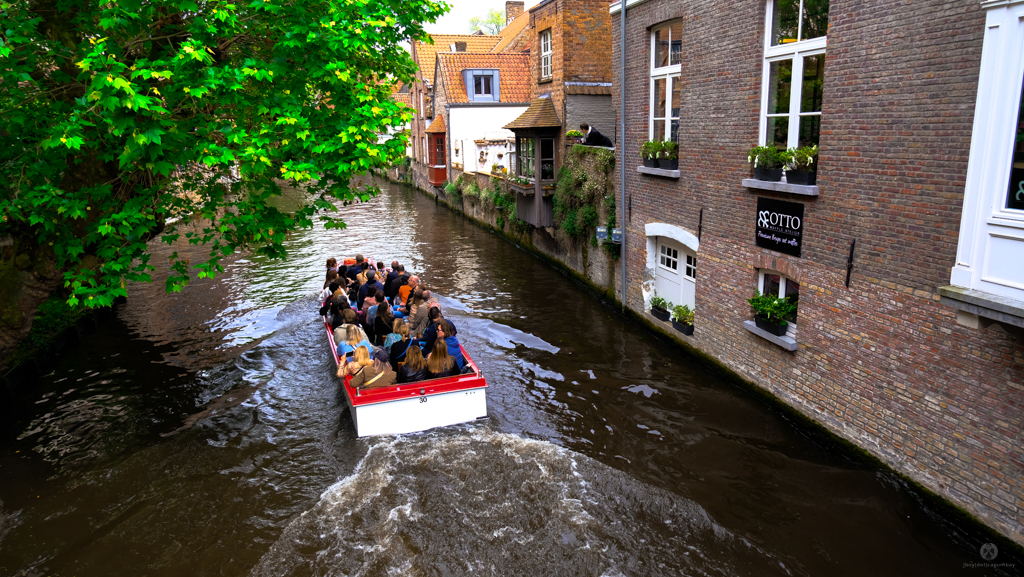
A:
(482, 85)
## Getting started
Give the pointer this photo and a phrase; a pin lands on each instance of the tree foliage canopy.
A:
(492, 23)
(124, 117)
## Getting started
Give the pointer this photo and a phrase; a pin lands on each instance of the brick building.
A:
(570, 63)
(918, 355)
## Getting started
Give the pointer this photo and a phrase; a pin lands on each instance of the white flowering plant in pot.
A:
(802, 165)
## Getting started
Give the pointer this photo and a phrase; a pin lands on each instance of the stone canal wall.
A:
(494, 206)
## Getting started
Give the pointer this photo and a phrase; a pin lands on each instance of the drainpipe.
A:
(622, 144)
(448, 142)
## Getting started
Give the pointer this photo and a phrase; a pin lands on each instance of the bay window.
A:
(988, 279)
(794, 72)
(526, 155)
(666, 89)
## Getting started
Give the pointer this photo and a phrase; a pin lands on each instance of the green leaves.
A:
(136, 118)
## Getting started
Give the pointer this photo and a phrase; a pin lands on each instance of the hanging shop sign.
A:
(780, 225)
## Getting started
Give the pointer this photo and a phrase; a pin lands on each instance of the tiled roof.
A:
(437, 125)
(510, 33)
(595, 90)
(513, 70)
(402, 98)
(426, 53)
(540, 114)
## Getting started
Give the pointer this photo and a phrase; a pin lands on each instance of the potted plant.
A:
(668, 158)
(682, 319)
(768, 162)
(802, 167)
(649, 151)
(574, 136)
(660, 308)
(771, 312)
(495, 168)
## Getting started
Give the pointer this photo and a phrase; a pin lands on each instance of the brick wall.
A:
(881, 363)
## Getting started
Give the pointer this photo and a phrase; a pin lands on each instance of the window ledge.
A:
(1004, 310)
(800, 189)
(788, 343)
(659, 172)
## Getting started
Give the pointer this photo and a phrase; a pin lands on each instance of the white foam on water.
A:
(472, 500)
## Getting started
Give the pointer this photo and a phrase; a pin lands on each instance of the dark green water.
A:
(606, 452)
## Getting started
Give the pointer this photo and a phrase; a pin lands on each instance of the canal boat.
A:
(418, 406)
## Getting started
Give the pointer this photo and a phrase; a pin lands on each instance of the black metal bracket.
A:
(849, 262)
(700, 223)
(630, 208)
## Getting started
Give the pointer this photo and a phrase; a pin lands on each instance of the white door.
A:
(675, 273)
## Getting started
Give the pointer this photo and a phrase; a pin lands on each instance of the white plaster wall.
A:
(467, 125)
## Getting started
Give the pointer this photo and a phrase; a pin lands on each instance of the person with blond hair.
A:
(414, 368)
(355, 338)
(400, 347)
(440, 363)
(367, 372)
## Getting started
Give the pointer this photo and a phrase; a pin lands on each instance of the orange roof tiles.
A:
(512, 32)
(426, 53)
(437, 125)
(513, 71)
(540, 114)
(402, 98)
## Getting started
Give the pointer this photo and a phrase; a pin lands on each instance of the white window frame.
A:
(795, 51)
(670, 74)
(690, 268)
(663, 254)
(489, 80)
(545, 54)
(985, 218)
(783, 279)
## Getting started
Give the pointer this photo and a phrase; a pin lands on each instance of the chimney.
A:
(513, 9)
(460, 47)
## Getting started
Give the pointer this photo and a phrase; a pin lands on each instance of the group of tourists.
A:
(388, 329)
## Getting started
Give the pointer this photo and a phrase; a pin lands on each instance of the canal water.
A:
(202, 433)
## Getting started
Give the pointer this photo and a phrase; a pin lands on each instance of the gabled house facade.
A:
(422, 90)
(478, 94)
(903, 254)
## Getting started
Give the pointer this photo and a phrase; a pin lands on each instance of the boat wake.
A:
(472, 500)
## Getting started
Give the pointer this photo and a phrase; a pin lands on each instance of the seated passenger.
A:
(344, 315)
(446, 332)
(328, 291)
(401, 346)
(370, 287)
(355, 268)
(395, 335)
(440, 364)
(383, 321)
(417, 319)
(430, 333)
(414, 368)
(353, 340)
(367, 372)
(332, 276)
